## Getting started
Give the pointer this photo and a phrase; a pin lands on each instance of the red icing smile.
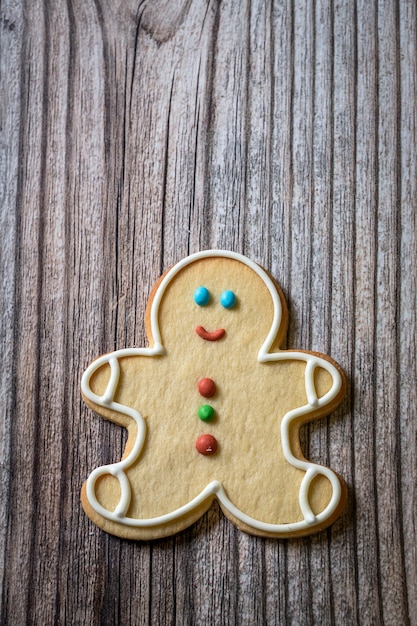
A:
(213, 336)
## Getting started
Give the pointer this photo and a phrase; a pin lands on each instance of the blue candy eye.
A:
(201, 296)
(228, 299)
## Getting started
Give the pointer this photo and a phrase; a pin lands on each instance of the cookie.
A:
(213, 409)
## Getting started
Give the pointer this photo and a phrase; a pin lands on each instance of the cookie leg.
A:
(320, 494)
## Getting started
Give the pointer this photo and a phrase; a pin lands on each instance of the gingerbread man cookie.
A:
(213, 410)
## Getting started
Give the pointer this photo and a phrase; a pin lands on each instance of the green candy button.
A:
(206, 412)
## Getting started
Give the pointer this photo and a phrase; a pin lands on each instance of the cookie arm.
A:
(107, 397)
(112, 359)
(332, 396)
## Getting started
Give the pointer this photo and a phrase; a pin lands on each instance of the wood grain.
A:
(134, 133)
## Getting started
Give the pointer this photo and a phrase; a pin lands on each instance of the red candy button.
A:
(206, 445)
(206, 387)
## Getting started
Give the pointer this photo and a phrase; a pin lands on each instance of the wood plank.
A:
(406, 337)
(363, 369)
(11, 181)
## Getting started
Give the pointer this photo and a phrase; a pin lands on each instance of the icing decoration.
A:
(206, 387)
(206, 445)
(210, 336)
(201, 296)
(215, 488)
(205, 412)
(228, 299)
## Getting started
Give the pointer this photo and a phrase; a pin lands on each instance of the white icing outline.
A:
(215, 488)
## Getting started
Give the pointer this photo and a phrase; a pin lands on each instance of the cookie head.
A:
(215, 305)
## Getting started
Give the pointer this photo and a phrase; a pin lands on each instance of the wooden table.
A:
(135, 133)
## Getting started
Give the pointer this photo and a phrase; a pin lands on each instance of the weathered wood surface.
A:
(134, 133)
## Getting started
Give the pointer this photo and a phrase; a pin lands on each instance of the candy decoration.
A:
(206, 387)
(205, 412)
(201, 296)
(206, 445)
(228, 299)
(214, 335)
